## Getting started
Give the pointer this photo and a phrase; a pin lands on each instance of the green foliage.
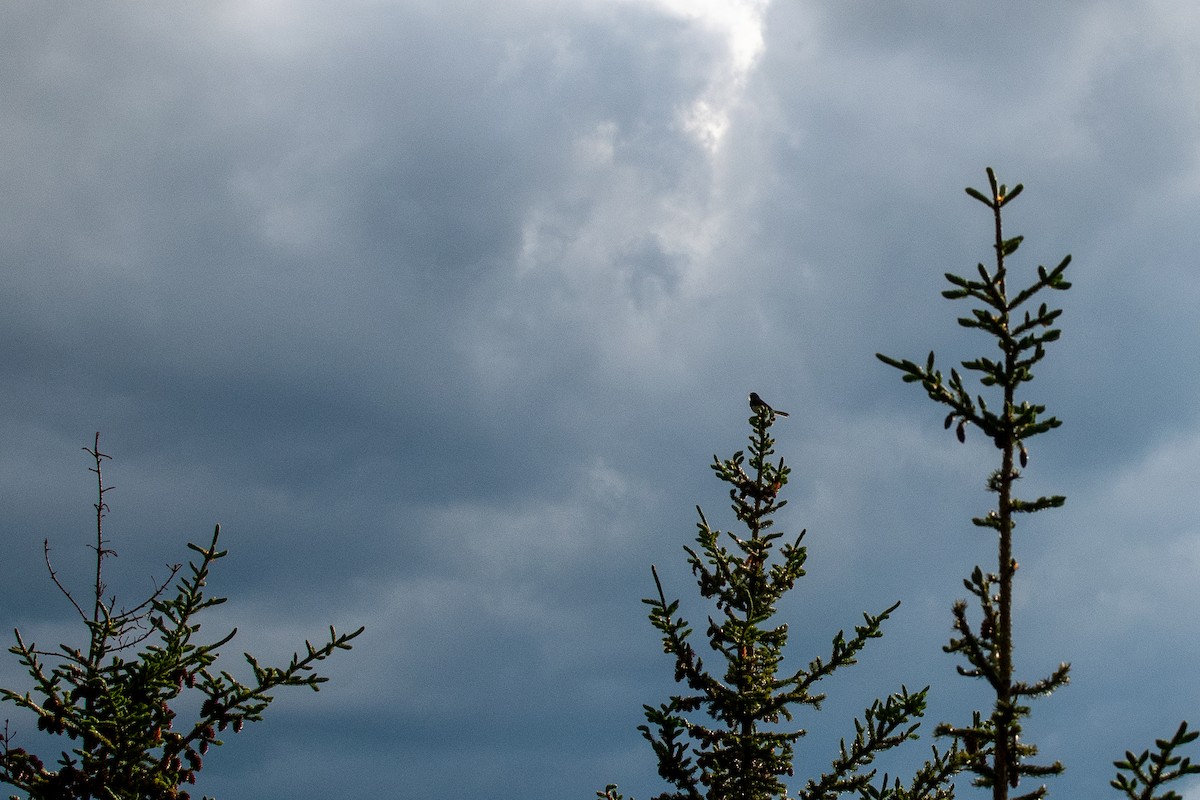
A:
(119, 699)
(996, 753)
(1150, 771)
(744, 752)
(992, 745)
(728, 736)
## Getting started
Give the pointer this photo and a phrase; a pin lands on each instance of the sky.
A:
(442, 311)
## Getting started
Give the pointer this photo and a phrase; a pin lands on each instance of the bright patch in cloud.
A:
(740, 24)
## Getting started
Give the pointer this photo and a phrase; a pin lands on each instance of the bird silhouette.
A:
(758, 405)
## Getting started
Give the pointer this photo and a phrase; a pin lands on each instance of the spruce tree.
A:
(999, 757)
(731, 734)
(142, 701)
(991, 742)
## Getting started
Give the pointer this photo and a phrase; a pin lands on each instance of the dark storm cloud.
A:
(283, 272)
(293, 237)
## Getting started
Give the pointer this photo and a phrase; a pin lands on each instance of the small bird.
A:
(758, 405)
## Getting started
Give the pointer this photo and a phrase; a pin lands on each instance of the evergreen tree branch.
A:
(884, 725)
(931, 782)
(1140, 777)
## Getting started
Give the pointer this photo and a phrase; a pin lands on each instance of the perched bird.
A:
(758, 405)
